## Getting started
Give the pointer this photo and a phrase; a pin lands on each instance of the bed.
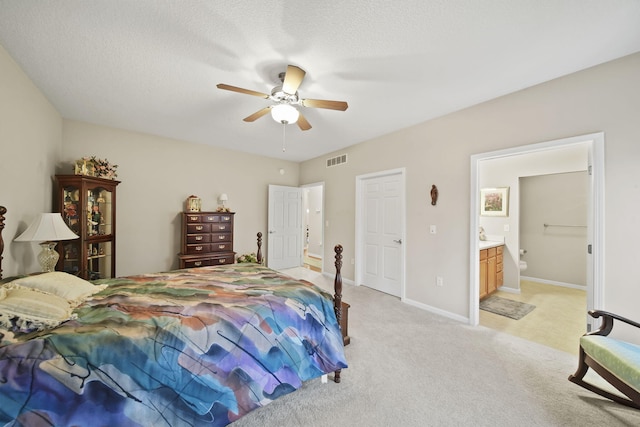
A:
(200, 346)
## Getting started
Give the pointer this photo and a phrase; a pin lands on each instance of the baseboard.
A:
(554, 283)
(435, 310)
(333, 275)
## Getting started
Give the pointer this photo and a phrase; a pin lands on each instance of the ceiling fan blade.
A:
(241, 90)
(303, 124)
(292, 79)
(321, 103)
(257, 114)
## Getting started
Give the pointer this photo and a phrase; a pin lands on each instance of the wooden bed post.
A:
(337, 297)
(259, 253)
(3, 211)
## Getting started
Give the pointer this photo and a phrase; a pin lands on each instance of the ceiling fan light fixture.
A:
(285, 114)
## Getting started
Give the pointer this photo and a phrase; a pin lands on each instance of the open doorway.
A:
(594, 145)
(313, 226)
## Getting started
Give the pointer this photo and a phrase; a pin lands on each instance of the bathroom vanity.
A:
(491, 274)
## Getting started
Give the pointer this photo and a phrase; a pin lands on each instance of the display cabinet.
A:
(88, 207)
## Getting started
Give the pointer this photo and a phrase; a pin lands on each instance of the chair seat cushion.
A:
(620, 358)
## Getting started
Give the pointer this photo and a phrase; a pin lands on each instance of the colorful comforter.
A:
(184, 348)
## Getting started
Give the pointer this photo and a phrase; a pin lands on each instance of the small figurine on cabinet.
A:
(71, 216)
(96, 219)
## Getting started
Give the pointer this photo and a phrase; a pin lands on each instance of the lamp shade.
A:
(285, 113)
(47, 227)
(223, 197)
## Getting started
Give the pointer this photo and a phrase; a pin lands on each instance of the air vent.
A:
(335, 161)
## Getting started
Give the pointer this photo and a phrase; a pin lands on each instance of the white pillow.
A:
(32, 309)
(72, 288)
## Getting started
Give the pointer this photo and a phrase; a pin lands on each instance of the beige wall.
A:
(557, 252)
(30, 145)
(158, 174)
(604, 98)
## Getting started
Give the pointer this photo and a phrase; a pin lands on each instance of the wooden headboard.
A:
(3, 211)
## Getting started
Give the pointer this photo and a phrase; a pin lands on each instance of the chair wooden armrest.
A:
(615, 361)
(607, 322)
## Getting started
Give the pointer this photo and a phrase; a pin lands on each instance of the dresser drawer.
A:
(223, 227)
(221, 247)
(200, 248)
(221, 237)
(198, 238)
(192, 218)
(198, 228)
(207, 261)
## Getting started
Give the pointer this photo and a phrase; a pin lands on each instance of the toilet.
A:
(523, 263)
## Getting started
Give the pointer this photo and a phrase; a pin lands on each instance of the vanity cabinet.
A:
(491, 274)
(88, 207)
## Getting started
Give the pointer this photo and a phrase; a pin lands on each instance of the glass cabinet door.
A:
(99, 260)
(71, 259)
(72, 208)
(99, 214)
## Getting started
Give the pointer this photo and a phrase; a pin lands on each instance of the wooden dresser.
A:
(206, 239)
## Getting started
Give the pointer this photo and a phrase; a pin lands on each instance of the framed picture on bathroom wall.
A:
(494, 201)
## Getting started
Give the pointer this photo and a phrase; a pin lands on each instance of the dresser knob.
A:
(199, 227)
(221, 261)
(198, 238)
(221, 237)
(222, 227)
(197, 263)
(198, 248)
(222, 246)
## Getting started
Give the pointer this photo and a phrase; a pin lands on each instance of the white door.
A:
(382, 226)
(284, 243)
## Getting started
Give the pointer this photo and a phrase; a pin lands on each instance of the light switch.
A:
(432, 229)
(506, 227)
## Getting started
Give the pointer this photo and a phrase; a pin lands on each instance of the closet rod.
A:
(563, 225)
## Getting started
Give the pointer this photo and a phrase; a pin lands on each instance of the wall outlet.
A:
(439, 281)
(506, 227)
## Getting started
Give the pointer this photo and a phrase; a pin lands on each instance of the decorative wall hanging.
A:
(434, 195)
(494, 201)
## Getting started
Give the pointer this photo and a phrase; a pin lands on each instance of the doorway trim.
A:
(595, 224)
(360, 234)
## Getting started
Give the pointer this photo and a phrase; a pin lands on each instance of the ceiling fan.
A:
(285, 98)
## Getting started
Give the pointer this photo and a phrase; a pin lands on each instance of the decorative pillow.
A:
(72, 288)
(28, 309)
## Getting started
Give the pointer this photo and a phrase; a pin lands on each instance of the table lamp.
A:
(47, 228)
(223, 198)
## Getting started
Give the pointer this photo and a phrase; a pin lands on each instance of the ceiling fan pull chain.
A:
(284, 131)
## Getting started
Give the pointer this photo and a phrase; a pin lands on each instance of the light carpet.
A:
(409, 367)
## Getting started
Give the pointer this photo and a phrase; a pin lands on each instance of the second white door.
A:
(381, 216)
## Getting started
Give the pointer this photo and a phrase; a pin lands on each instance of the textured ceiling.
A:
(152, 66)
